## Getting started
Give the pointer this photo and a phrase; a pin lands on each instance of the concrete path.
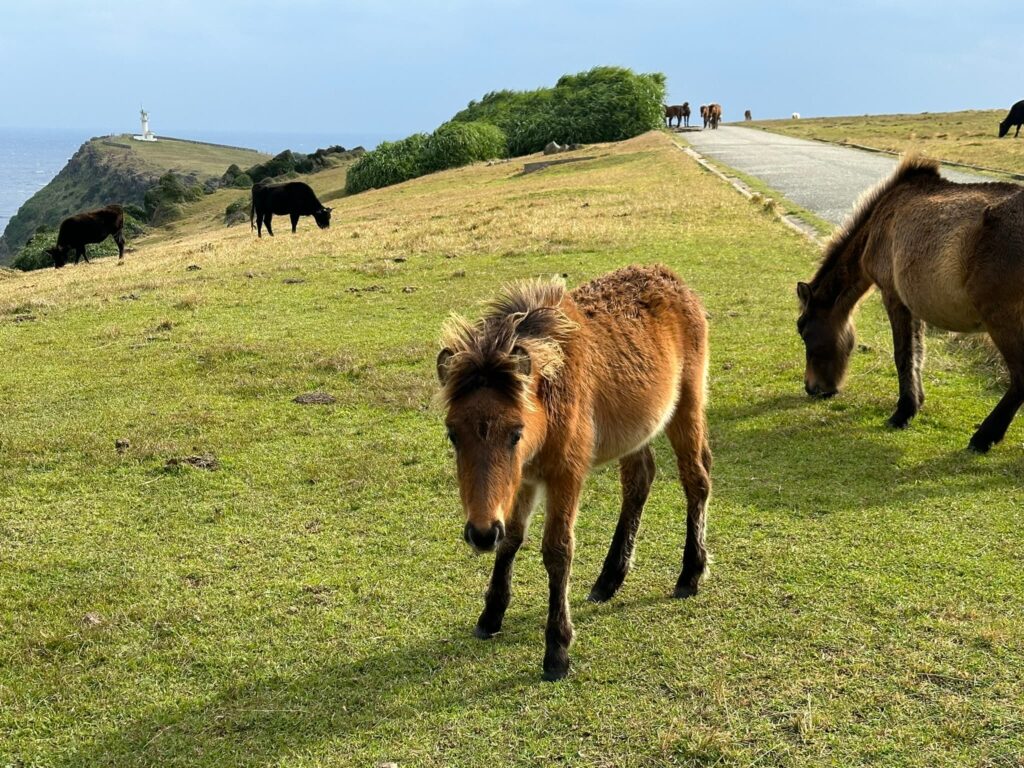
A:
(823, 178)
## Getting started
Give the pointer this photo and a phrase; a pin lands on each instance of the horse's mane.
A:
(524, 318)
(912, 166)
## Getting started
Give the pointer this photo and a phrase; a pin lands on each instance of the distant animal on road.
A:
(747, 115)
(795, 116)
(714, 115)
(941, 253)
(704, 114)
(89, 227)
(681, 113)
(291, 198)
(1016, 117)
(550, 383)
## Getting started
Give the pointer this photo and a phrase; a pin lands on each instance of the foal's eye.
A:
(516, 436)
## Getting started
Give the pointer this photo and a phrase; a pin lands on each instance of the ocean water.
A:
(30, 158)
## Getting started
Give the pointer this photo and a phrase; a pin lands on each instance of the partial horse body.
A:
(747, 115)
(679, 112)
(942, 253)
(704, 114)
(714, 115)
(549, 384)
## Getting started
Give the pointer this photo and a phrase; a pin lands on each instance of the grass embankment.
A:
(189, 158)
(961, 137)
(310, 602)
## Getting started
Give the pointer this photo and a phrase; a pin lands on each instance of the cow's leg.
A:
(85, 255)
(295, 222)
(1017, 134)
(119, 239)
(266, 220)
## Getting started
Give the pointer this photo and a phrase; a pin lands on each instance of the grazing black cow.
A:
(1016, 117)
(293, 198)
(89, 227)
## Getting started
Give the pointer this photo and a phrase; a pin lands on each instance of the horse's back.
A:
(645, 331)
(924, 247)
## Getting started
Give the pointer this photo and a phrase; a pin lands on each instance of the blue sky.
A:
(392, 68)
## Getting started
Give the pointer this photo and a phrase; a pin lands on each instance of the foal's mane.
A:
(913, 166)
(523, 319)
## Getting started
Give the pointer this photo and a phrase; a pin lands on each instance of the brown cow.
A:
(89, 227)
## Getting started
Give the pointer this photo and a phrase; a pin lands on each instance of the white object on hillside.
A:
(147, 135)
(796, 115)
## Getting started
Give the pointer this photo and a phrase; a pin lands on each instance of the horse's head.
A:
(828, 343)
(323, 217)
(495, 426)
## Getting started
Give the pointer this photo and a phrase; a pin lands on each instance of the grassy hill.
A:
(308, 601)
(117, 169)
(961, 137)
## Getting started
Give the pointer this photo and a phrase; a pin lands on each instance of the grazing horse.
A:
(704, 114)
(551, 383)
(941, 253)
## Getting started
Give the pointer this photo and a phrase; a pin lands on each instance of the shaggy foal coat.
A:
(549, 384)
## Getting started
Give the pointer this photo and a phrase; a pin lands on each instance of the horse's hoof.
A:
(900, 420)
(980, 447)
(556, 672)
(484, 634)
(683, 591)
(601, 594)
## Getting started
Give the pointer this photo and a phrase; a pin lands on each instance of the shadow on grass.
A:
(264, 719)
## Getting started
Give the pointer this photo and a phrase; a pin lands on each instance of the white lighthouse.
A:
(147, 135)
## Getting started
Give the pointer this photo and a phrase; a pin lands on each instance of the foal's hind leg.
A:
(637, 473)
(688, 434)
(499, 591)
(992, 430)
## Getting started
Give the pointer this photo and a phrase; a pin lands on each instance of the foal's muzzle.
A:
(484, 541)
(816, 390)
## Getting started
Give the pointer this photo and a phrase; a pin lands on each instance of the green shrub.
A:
(237, 212)
(288, 164)
(456, 144)
(390, 163)
(603, 104)
(163, 201)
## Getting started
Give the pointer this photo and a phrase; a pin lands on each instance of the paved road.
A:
(823, 178)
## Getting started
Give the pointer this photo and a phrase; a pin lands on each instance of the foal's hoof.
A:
(600, 594)
(900, 420)
(683, 591)
(482, 633)
(555, 671)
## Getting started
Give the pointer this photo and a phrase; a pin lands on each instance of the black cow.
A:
(1016, 117)
(293, 198)
(89, 227)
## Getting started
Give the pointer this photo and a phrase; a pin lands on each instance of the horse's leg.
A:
(557, 549)
(499, 591)
(1010, 343)
(636, 472)
(295, 222)
(908, 351)
(687, 431)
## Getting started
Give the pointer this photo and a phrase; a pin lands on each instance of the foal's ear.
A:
(803, 292)
(522, 360)
(443, 357)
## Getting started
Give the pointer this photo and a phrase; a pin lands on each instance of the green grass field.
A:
(184, 157)
(969, 137)
(310, 602)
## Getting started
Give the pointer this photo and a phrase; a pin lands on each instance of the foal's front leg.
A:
(908, 351)
(499, 591)
(558, 549)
